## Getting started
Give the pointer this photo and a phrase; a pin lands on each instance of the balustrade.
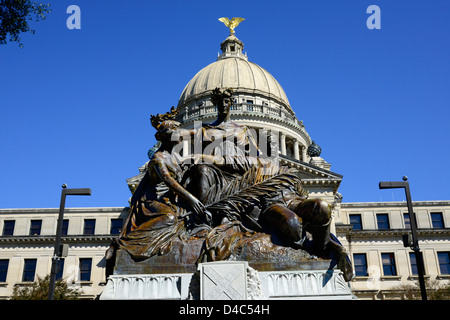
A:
(243, 107)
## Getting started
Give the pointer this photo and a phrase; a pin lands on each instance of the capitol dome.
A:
(238, 73)
(259, 101)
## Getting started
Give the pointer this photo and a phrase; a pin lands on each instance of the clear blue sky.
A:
(75, 104)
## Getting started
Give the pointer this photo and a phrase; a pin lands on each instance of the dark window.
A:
(407, 220)
(85, 269)
(65, 227)
(29, 270)
(383, 221)
(388, 260)
(360, 262)
(59, 269)
(412, 258)
(89, 226)
(4, 263)
(8, 227)
(355, 221)
(116, 226)
(437, 220)
(35, 227)
(444, 262)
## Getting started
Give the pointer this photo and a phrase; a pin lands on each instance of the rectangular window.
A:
(29, 270)
(65, 227)
(355, 221)
(444, 262)
(59, 269)
(388, 261)
(35, 227)
(383, 221)
(407, 220)
(360, 263)
(85, 269)
(412, 258)
(437, 221)
(116, 226)
(8, 227)
(89, 226)
(4, 263)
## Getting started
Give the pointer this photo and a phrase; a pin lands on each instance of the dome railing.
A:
(245, 108)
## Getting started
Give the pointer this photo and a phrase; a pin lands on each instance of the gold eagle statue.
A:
(233, 23)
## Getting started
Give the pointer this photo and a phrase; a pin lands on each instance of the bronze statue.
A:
(229, 195)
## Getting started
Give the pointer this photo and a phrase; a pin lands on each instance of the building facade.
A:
(27, 243)
(372, 233)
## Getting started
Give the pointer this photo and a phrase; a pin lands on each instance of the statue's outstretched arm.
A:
(162, 171)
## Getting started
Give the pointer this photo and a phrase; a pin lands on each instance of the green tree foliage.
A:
(14, 17)
(39, 291)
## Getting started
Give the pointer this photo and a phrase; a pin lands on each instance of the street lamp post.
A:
(57, 253)
(414, 243)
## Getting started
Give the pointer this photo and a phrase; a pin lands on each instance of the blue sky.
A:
(75, 104)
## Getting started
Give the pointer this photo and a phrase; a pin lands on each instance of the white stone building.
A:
(371, 232)
(27, 243)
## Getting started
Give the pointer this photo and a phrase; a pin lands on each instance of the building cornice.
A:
(345, 229)
(94, 210)
(350, 205)
(51, 239)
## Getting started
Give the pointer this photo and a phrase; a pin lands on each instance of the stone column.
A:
(304, 153)
(283, 144)
(296, 150)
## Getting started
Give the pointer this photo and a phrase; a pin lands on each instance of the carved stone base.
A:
(229, 280)
(305, 284)
(147, 287)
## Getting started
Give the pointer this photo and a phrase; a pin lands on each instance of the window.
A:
(89, 226)
(29, 270)
(412, 258)
(65, 227)
(85, 269)
(360, 263)
(355, 221)
(407, 220)
(59, 269)
(383, 221)
(116, 226)
(8, 227)
(388, 261)
(444, 262)
(35, 227)
(4, 263)
(437, 220)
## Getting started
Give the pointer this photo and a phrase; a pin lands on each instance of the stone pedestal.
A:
(223, 280)
(174, 286)
(304, 284)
